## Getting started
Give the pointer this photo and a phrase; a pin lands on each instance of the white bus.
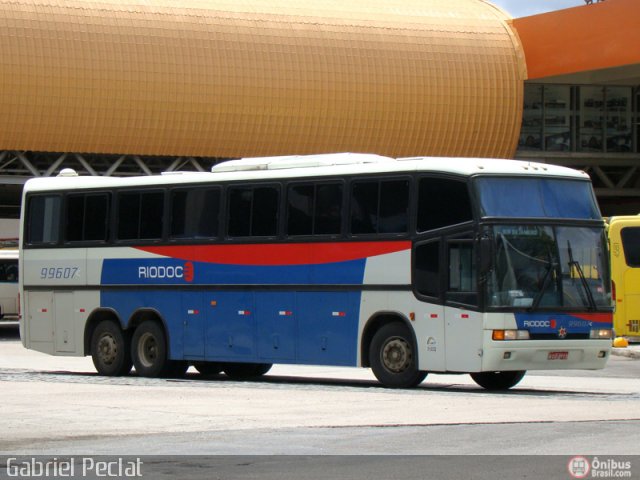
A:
(406, 266)
(9, 298)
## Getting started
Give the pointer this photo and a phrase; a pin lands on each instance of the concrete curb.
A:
(628, 352)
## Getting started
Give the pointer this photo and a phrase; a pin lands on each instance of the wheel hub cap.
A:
(396, 355)
(108, 349)
(147, 350)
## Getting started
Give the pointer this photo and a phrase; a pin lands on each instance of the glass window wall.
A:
(563, 118)
(618, 119)
(591, 119)
(531, 131)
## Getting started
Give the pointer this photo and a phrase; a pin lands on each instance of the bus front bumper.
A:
(545, 355)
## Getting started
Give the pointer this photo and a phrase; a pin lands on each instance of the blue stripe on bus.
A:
(554, 323)
(318, 328)
(169, 271)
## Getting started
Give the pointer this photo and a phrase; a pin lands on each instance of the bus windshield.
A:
(533, 197)
(539, 266)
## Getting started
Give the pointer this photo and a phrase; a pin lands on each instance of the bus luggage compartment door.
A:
(39, 321)
(193, 320)
(64, 313)
(230, 327)
(276, 319)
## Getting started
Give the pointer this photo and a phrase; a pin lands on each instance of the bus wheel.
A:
(392, 357)
(208, 368)
(110, 349)
(498, 380)
(149, 350)
(241, 371)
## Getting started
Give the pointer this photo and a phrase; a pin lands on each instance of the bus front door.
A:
(464, 324)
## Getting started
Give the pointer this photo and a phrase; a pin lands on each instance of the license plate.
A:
(558, 355)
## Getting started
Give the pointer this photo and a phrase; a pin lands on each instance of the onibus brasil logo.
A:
(581, 467)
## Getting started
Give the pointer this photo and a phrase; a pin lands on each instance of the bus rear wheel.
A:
(392, 357)
(498, 380)
(149, 350)
(110, 349)
(242, 371)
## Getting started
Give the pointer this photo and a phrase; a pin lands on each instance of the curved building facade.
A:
(232, 78)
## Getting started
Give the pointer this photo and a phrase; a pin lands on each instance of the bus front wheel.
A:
(110, 349)
(498, 380)
(149, 350)
(392, 357)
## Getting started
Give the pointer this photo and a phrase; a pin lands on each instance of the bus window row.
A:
(373, 207)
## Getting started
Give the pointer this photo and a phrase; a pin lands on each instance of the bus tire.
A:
(110, 349)
(149, 350)
(242, 371)
(208, 368)
(498, 380)
(392, 357)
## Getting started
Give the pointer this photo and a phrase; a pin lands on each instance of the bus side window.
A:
(12, 272)
(631, 245)
(266, 201)
(379, 206)
(43, 219)
(364, 207)
(442, 202)
(9, 271)
(328, 211)
(427, 269)
(300, 207)
(87, 217)
(195, 213)
(314, 209)
(462, 283)
(140, 215)
(393, 213)
(253, 211)
(96, 219)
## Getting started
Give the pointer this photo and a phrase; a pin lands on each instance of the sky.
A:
(523, 8)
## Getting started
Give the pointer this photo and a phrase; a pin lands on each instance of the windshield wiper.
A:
(545, 284)
(575, 264)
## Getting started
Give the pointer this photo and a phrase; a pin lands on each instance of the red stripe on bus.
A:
(594, 317)
(279, 254)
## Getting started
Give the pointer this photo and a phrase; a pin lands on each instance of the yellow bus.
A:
(624, 241)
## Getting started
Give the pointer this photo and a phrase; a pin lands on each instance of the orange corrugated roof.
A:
(234, 78)
(590, 37)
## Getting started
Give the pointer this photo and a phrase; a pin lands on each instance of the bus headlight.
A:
(601, 334)
(500, 335)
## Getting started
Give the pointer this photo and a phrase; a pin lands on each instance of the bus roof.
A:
(339, 164)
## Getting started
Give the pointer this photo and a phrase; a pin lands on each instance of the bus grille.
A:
(554, 336)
